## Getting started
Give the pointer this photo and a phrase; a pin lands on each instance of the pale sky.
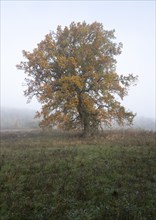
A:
(25, 23)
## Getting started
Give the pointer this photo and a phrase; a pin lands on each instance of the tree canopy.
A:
(72, 72)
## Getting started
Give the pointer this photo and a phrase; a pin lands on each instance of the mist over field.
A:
(14, 118)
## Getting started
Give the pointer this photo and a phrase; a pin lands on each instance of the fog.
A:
(18, 119)
(13, 118)
(25, 23)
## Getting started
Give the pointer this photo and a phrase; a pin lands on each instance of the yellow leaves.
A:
(38, 57)
(47, 45)
(109, 78)
(77, 80)
(47, 88)
(44, 64)
(52, 119)
(88, 103)
(45, 93)
(72, 62)
(65, 120)
(49, 40)
(62, 61)
(105, 116)
(41, 59)
(38, 114)
(73, 102)
(72, 73)
(71, 83)
(65, 62)
(89, 68)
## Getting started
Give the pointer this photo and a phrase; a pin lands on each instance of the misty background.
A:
(25, 23)
(15, 119)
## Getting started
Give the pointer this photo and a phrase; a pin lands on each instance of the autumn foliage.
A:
(72, 72)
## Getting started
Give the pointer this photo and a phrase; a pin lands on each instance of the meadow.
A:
(62, 176)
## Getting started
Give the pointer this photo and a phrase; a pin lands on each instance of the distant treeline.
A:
(18, 119)
(24, 119)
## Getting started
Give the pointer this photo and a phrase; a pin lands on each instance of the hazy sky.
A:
(25, 23)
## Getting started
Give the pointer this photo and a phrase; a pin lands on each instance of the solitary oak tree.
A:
(72, 72)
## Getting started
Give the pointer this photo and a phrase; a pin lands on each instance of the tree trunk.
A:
(88, 120)
(86, 128)
(90, 125)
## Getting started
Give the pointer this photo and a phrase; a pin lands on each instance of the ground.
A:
(62, 176)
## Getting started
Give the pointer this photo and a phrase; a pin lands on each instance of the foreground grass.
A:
(62, 176)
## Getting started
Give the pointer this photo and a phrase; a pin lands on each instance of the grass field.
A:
(61, 176)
